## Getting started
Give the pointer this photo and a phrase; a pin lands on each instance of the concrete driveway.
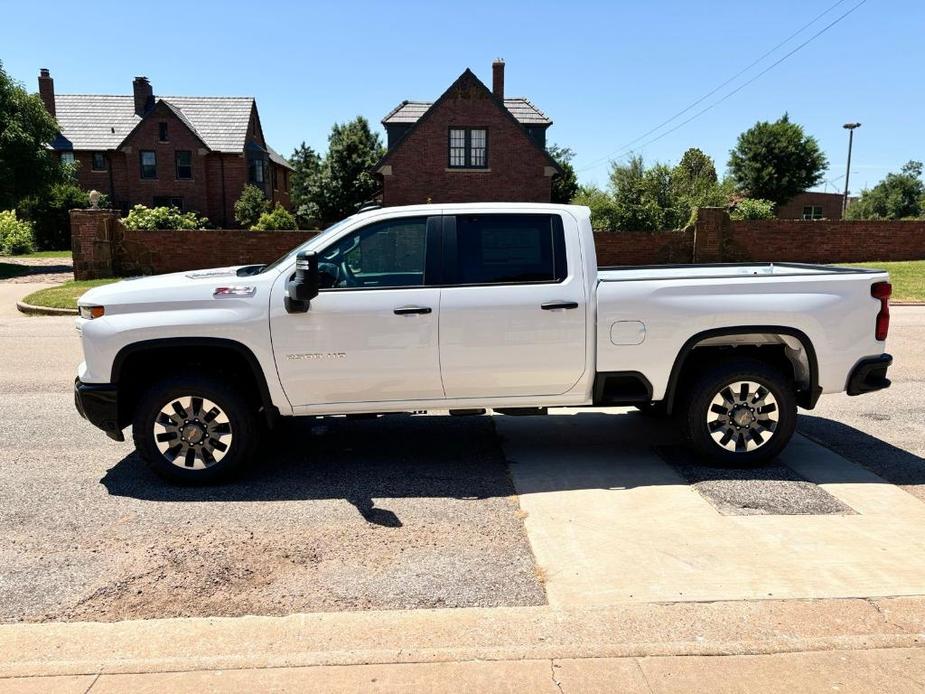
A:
(421, 511)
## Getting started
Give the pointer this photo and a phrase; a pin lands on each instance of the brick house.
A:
(193, 152)
(473, 144)
(810, 205)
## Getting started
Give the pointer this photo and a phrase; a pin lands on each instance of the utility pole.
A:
(850, 128)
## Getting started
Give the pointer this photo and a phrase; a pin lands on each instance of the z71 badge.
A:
(317, 355)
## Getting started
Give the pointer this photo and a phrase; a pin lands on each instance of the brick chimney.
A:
(47, 90)
(144, 95)
(497, 78)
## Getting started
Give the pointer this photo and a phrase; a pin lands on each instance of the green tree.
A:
(49, 210)
(345, 179)
(898, 196)
(27, 167)
(15, 234)
(306, 166)
(250, 205)
(775, 161)
(565, 185)
(645, 198)
(601, 203)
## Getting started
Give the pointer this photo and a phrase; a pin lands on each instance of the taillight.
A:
(882, 291)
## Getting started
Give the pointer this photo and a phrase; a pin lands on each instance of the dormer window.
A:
(468, 148)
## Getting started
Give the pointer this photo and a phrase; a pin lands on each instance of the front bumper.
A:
(870, 375)
(98, 404)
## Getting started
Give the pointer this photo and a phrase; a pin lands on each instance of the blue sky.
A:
(605, 72)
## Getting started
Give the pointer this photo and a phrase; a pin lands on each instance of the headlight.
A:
(91, 312)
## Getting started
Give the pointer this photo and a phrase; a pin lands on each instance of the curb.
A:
(907, 303)
(31, 310)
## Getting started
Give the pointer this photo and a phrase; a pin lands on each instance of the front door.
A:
(371, 333)
(513, 308)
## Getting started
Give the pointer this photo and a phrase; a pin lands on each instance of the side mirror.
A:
(304, 286)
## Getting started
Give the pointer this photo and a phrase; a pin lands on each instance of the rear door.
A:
(513, 306)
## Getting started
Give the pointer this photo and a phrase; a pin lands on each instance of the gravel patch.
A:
(399, 512)
(772, 489)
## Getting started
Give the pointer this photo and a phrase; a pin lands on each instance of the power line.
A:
(731, 79)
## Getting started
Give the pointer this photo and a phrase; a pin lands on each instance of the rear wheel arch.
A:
(694, 350)
(137, 365)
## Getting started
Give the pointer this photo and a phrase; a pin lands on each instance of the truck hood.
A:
(178, 290)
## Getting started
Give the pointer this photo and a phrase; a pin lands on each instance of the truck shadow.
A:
(478, 457)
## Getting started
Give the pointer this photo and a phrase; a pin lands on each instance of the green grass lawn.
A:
(907, 278)
(64, 295)
(46, 254)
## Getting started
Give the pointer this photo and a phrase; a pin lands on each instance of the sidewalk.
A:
(775, 645)
(893, 670)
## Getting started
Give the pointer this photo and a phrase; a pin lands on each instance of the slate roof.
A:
(99, 121)
(522, 109)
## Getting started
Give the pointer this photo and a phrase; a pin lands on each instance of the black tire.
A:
(240, 415)
(755, 415)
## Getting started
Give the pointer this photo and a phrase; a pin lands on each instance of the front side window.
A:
(184, 164)
(812, 212)
(99, 161)
(162, 132)
(468, 148)
(148, 161)
(383, 254)
(67, 157)
(509, 249)
(168, 201)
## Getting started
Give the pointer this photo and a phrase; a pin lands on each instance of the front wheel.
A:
(740, 413)
(194, 429)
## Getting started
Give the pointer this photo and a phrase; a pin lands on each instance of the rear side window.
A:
(509, 249)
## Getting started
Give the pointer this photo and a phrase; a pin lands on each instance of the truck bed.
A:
(625, 273)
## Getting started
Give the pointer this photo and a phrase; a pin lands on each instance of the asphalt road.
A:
(375, 514)
(350, 515)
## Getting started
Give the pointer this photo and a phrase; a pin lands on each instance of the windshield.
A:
(293, 253)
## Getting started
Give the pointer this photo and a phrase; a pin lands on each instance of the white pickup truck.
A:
(470, 307)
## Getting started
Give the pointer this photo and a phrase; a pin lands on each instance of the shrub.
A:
(277, 218)
(143, 218)
(752, 208)
(15, 234)
(49, 213)
(249, 207)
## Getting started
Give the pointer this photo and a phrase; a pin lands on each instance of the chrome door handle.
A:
(410, 310)
(553, 305)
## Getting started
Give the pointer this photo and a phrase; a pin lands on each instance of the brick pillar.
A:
(94, 236)
(710, 232)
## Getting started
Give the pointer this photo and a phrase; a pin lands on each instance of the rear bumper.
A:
(98, 404)
(870, 375)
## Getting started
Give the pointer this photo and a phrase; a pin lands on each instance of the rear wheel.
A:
(740, 413)
(194, 429)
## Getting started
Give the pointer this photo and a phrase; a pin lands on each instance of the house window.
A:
(184, 161)
(285, 180)
(273, 178)
(99, 161)
(468, 148)
(257, 173)
(162, 132)
(812, 212)
(168, 201)
(148, 161)
(67, 157)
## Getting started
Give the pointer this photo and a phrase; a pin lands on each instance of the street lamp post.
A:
(850, 128)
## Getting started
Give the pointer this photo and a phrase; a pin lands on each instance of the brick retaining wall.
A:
(103, 247)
